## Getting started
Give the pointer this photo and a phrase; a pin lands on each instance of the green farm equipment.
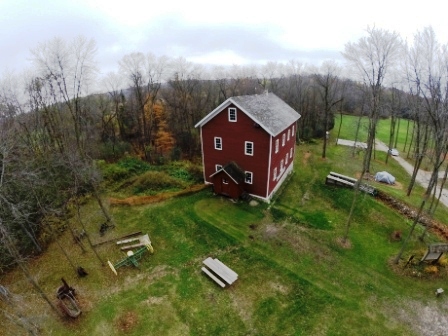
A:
(133, 257)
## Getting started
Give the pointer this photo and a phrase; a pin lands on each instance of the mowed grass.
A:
(294, 276)
(349, 126)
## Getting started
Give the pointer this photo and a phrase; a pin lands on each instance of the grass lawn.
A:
(294, 276)
(403, 136)
(350, 124)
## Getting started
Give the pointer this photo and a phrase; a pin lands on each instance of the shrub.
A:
(195, 172)
(155, 181)
(431, 269)
(186, 171)
(134, 165)
(123, 169)
(443, 261)
(114, 172)
(181, 174)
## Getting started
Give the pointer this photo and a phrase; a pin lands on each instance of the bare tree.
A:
(330, 94)
(145, 74)
(394, 106)
(372, 56)
(15, 206)
(295, 92)
(428, 75)
(64, 72)
(188, 100)
(270, 76)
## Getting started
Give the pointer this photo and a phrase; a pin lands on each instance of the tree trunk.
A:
(445, 175)
(87, 234)
(406, 139)
(416, 219)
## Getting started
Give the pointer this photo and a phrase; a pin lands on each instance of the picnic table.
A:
(219, 272)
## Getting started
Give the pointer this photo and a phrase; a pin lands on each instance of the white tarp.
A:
(384, 177)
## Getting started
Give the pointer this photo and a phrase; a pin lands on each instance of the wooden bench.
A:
(338, 181)
(218, 271)
(347, 181)
(343, 177)
(230, 272)
(219, 282)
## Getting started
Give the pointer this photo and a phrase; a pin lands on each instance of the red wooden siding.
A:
(230, 188)
(234, 135)
(281, 155)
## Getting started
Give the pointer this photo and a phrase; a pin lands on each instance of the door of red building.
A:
(225, 186)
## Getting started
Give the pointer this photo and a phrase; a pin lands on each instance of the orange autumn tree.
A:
(163, 140)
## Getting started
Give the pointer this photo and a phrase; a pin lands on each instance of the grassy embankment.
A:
(294, 278)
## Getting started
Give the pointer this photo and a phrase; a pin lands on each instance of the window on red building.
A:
(248, 177)
(248, 148)
(218, 143)
(232, 114)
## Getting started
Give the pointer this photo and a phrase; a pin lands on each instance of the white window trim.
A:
(220, 142)
(283, 139)
(292, 130)
(218, 167)
(289, 135)
(282, 165)
(274, 177)
(290, 152)
(276, 145)
(232, 109)
(286, 158)
(251, 177)
(245, 148)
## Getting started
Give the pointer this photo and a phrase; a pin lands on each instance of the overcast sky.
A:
(209, 32)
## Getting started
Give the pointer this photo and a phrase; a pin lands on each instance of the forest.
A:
(60, 120)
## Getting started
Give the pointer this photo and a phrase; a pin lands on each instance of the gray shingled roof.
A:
(266, 109)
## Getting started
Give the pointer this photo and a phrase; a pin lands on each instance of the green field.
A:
(350, 124)
(294, 276)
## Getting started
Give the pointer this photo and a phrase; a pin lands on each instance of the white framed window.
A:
(276, 146)
(218, 167)
(248, 177)
(232, 114)
(248, 148)
(289, 134)
(274, 177)
(292, 130)
(283, 139)
(218, 143)
(282, 165)
(286, 158)
(290, 153)
(225, 181)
